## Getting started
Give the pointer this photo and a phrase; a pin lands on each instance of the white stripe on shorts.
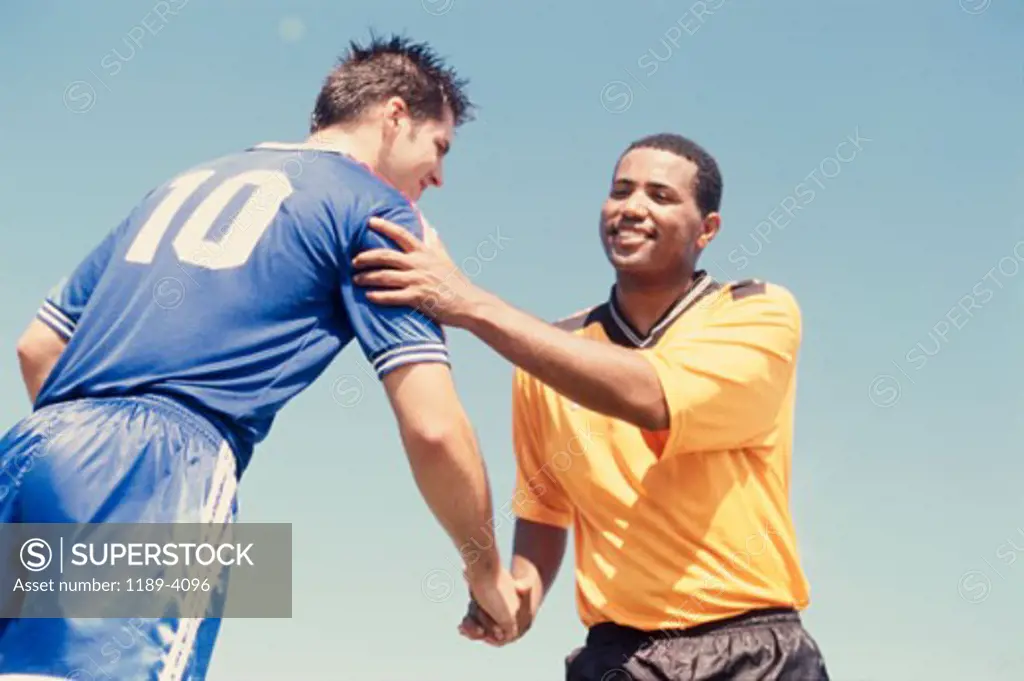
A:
(216, 512)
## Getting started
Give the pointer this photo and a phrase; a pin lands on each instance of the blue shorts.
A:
(121, 460)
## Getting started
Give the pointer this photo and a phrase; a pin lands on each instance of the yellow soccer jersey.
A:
(691, 524)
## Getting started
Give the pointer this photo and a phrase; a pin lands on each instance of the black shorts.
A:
(764, 645)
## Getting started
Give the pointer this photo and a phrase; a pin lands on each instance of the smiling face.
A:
(415, 153)
(651, 225)
(393, 104)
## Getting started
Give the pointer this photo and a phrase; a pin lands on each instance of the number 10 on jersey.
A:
(239, 235)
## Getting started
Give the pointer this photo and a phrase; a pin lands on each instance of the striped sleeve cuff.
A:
(422, 353)
(56, 319)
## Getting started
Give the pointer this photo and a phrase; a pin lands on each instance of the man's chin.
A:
(639, 267)
(636, 262)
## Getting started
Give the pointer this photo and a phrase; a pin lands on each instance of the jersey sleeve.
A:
(726, 382)
(64, 304)
(538, 495)
(391, 336)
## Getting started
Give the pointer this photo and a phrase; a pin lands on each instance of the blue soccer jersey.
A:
(229, 288)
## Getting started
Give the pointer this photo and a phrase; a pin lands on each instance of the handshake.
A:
(501, 608)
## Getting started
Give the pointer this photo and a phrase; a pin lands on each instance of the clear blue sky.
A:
(908, 461)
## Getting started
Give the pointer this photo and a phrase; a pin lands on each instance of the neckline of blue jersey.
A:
(299, 146)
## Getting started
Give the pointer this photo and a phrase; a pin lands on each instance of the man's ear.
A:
(709, 229)
(396, 111)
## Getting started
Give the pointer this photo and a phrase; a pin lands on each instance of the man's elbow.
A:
(436, 432)
(23, 351)
(650, 412)
(643, 402)
(430, 417)
(435, 436)
(39, 346)
(442, 436)
(29, 353)
(653, 418)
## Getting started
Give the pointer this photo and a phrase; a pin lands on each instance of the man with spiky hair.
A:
(156, 367)
(658, 427)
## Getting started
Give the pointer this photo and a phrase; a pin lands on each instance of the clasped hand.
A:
(500, 610)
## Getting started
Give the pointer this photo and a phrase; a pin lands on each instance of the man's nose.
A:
(437, 178)
(635, 207)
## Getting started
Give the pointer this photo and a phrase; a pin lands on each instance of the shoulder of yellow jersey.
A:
(759, 299)
(766, 291)
(577, 320)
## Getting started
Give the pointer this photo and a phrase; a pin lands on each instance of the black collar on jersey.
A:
(621, 332)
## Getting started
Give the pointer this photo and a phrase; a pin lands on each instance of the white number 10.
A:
(193, 244)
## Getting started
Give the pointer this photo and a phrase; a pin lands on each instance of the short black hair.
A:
(708, 191)
(391, 67)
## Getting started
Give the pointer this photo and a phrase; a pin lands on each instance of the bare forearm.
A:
(602, 377)
(538, 552)
(453, 480)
